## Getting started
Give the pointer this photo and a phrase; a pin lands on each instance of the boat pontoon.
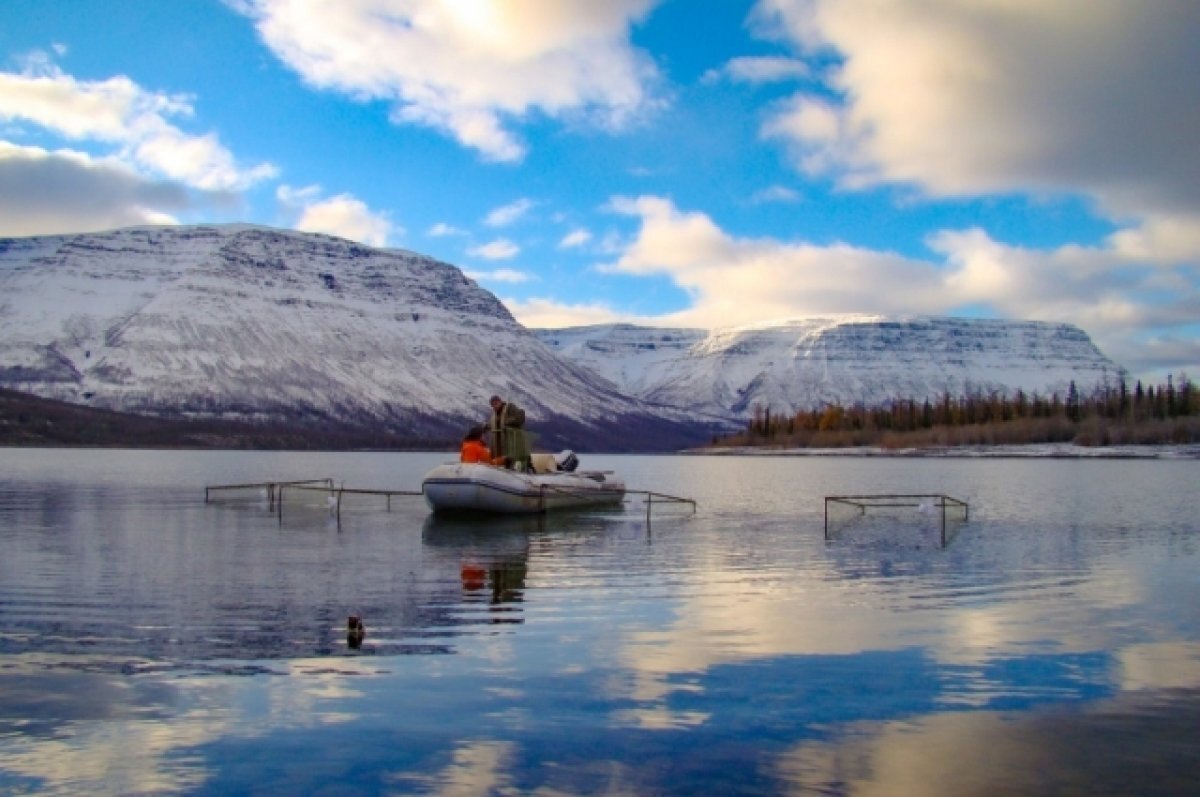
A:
(488, 488)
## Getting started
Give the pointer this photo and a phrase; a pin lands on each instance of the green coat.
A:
(509, 415)
(508, 436)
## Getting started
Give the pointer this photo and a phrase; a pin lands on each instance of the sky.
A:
(698, 163)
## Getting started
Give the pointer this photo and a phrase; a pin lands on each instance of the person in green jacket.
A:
(507, 425)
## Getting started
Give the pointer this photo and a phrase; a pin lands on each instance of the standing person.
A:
(508, 434)
(506, 414)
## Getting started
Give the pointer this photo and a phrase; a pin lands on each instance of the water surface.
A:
(151, 642)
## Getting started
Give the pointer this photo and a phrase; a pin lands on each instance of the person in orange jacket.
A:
(473, 448)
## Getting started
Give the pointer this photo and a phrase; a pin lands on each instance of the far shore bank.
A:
(1031, 451)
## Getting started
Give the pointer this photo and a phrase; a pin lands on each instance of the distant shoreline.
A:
(1030, 451)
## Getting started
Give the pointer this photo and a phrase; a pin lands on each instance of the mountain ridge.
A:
(249, 324)
(252, 324)
(800, 364)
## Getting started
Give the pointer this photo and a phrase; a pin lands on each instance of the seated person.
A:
(474, 449)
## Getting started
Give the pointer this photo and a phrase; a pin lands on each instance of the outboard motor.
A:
(566, 460)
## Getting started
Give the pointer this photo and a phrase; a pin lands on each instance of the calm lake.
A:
(151, 642)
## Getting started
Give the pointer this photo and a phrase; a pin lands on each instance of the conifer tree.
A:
(1073, 412)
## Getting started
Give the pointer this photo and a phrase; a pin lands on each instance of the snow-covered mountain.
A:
(250, 323)
(801, 364)
(242, 322)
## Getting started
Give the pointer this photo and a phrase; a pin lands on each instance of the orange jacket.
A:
(475, 451)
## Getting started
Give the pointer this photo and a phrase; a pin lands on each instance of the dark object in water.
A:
(355, 631)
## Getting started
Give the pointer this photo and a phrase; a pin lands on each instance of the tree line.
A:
(1111, 414)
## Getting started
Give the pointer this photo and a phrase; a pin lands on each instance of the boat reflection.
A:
(492, 554)
(491, 532)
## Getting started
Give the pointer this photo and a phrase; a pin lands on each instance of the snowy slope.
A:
(253, 323)
(804, 363)
(243, 322)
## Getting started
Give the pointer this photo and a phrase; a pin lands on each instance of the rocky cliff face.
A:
(801, 364)
(240, 322)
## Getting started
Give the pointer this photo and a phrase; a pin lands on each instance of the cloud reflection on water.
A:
(1139, 745)
(1064, 602)
(721, 652)
(99, 732)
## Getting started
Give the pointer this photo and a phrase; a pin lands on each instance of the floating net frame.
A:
(958, 510)
(273, 492)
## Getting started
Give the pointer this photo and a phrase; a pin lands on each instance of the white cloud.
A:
(542, 313)
(1116, 299)
(294, 198)
(343, 215)
(613, 243)
(500, 249)
(775, 194)
(443, 230)
(989, 97)
(976, 97)
(43, 192)
(759, 69)
(1168, 354)
(507, 275)
(1165, 238)
(508, 214)
(575, 238)
(737, 281)
(822, 137)
(119, 113)
(200, 161)
(469, 69)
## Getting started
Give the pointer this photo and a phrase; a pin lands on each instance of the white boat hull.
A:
(484, 488)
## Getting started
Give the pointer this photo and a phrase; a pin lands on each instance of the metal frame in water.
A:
(915, 501)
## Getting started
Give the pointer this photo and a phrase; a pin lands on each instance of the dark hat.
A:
(495, 398)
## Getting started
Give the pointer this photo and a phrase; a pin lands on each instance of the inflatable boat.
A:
(476, 487)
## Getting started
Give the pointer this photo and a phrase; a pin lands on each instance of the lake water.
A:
(151, 642)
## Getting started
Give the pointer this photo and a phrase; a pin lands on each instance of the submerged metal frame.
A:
(897, 500)
(274, 490)
(275, 493)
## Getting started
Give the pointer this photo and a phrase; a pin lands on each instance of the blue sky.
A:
(685, 162)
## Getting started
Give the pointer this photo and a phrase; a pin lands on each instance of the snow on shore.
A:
(1034, 451)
